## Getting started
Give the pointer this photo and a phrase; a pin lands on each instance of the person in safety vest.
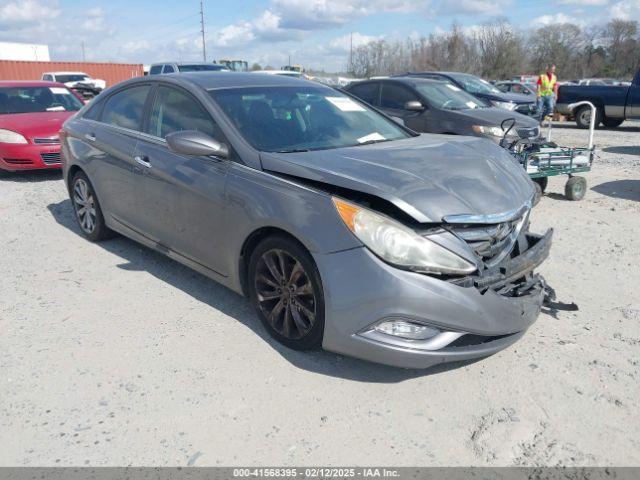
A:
(547, 92)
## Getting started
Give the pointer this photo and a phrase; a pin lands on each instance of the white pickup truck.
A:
(71, 79)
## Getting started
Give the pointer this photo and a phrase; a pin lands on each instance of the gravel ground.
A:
(112, 354)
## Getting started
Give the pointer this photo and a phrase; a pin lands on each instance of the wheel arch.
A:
(72, 173)
(252, 241)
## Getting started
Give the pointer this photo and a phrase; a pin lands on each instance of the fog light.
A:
(406, 329)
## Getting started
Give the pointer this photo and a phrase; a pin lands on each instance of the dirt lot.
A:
(112, 354)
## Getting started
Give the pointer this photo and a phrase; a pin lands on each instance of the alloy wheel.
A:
(285, 294)
(85, 205)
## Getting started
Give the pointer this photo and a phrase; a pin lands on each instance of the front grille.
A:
(50, 158)
(490, 242)
(47, 141)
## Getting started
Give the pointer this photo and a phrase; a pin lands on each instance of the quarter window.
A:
(168, 69)
(395, 96)
(174, 111)
(125, 108)
(155, 70)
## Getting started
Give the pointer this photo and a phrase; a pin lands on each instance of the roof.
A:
(188, 63)
(407, 80)
(291, 73)
(213, 80)
(29, 83)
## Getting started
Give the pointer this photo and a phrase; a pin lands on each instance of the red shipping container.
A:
(112, 73)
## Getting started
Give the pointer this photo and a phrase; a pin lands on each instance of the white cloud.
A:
(626, 10)
(27, 11)
(342, 45)
(93, 20)
(545, 20)
(314, 14)
(583, 3)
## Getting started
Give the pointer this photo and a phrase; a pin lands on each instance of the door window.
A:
(155, 70)
(395, 96)
(174, 111)
(367, 92)
(125, 108)
(168, 69)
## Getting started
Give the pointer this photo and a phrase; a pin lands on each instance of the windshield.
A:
(285, 119)
(71, 78)
(38, 99)
(474, 84)
(448, 97)
(201, 68)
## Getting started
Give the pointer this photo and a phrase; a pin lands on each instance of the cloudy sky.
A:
(314, 33)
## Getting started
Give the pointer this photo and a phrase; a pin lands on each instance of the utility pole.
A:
(204, 46)
(351, 53)
(84, 58)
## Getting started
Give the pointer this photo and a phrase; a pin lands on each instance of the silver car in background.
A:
(344, 229)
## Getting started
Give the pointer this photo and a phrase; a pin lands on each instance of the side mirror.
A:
(414, 106)
(398, 120)
(194, 143)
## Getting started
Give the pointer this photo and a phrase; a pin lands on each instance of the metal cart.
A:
(542, 158)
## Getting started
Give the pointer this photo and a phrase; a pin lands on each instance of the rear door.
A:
(181, 197)
(109, 133)
(368, 92)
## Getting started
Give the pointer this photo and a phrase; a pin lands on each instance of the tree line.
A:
(496, 50)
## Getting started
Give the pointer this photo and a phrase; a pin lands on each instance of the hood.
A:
(38, 124)
(428, 176)
(493, 117)
(508, 97)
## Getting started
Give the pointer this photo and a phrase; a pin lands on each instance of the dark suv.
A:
(482, 89)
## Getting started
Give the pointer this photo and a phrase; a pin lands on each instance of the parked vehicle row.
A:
(345, 229)
(435, 106)
(482, 89)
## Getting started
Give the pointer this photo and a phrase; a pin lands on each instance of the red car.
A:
(31, 115)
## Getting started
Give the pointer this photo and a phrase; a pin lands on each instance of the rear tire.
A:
(575, 188)
(612, 122)
(583, 116)
(87, 209)
(285, 289)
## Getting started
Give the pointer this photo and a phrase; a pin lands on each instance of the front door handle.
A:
(142, 160)
(90, 136)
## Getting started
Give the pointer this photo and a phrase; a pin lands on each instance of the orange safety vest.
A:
(546, 84)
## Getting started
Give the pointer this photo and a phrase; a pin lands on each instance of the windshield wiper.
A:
(369, 142)
(293, 150)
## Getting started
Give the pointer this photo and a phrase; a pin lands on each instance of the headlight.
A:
(493, 131)
(399, 245)
(506, 105)
(8, 136)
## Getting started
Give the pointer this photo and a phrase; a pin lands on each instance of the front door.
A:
(181, 198)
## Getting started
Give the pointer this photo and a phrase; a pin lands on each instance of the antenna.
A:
(204, 46)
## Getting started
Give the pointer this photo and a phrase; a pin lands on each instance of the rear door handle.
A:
(90, 136)
(142, 160)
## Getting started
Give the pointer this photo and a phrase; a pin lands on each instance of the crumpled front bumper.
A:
(486, 313)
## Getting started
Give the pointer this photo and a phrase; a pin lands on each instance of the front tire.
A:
(286, 291)
(87, 209)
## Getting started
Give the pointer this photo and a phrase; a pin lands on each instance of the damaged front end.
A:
(506, 253)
